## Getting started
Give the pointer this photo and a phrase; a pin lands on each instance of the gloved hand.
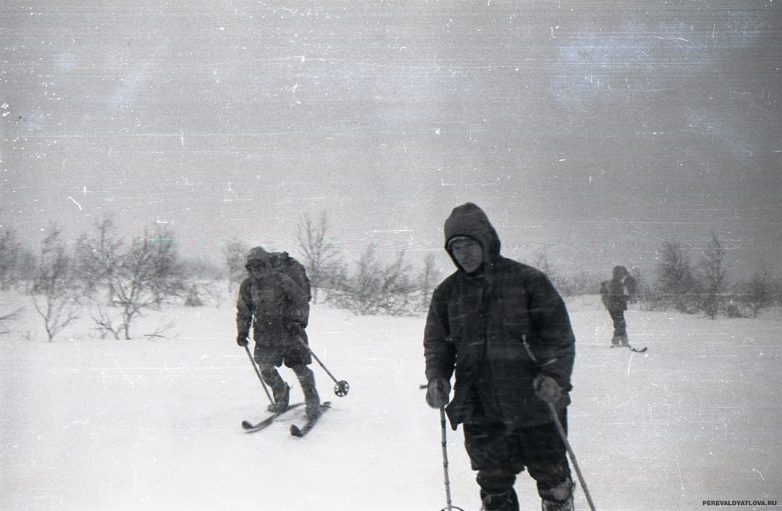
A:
(292, 327)
(547, 389)
(437, 391)
(242, 340)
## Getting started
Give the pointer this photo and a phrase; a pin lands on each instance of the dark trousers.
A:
(499, 455)
(275, 347)
(620, 325)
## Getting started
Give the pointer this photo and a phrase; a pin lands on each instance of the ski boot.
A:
(311, 399)
(312, 408)
(558, 505)
(281, 399)
(505, 502)
(624, 342)
(616, 341)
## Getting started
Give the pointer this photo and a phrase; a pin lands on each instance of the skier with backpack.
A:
(274, 300)
(615, 294)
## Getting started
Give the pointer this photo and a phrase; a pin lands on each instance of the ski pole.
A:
(443, 440)
(342, 387)
(560, 429)
(258, 372)
(572, 455)
(449, 505)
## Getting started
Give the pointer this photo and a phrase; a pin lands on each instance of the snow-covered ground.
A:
(91, 424)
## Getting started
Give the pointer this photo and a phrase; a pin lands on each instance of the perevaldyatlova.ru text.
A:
(739, 502)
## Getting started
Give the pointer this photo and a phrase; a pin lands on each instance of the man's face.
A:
(468, 254)
(259, 269)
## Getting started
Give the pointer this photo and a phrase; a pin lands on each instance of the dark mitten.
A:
(547, 389)
(437, 392)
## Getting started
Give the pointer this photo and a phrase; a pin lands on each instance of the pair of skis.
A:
(297, 431)
(341, 389)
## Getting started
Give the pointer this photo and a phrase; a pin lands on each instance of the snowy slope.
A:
(91, 424)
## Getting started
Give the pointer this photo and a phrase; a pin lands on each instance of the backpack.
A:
(283, 263)
(605, 293)
(632, 287)
(286, 264)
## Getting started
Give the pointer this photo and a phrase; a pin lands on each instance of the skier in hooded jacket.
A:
(503, 331)
(615, 294)
(277, 307)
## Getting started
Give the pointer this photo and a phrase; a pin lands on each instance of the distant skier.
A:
(504, 330)
(615, 294)
(277, 306)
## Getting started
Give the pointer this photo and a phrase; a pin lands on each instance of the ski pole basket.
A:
(341, 388)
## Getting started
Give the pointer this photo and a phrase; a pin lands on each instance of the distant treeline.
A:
(123, 277)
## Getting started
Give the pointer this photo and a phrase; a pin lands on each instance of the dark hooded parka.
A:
(620, 289)
(497, 328)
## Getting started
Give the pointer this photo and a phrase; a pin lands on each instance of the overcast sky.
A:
(588, 130)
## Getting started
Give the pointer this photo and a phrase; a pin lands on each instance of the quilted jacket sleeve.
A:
(440, 354)
(244, 314)
(556, 346)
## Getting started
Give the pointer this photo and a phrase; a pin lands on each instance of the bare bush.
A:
(106, 323)
(676, 284)
(320, 254)
(52, 291)
(376, 287)
(757, 292)
(193, 297)
(426, 282)
(11, 257)
(147, 273)
(97, 258)
(578, 283)
(714, 276)
(234, 255)
(157, 257)
(8, 317)
(333, 280)
(138, 276)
